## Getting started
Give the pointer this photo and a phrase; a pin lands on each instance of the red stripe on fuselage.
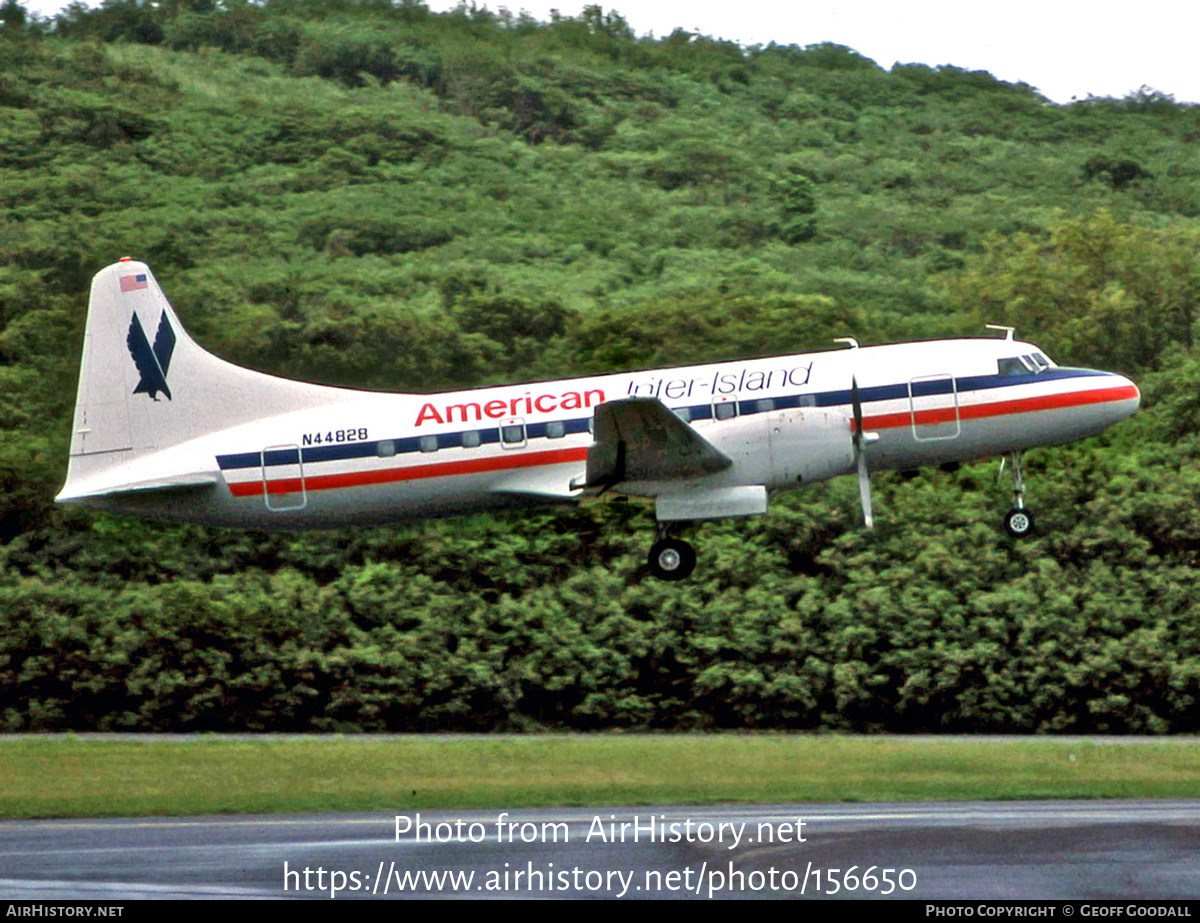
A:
(1001, 408)
(279, 486)
(515, 460)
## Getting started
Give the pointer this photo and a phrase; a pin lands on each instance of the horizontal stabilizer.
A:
(175, 485)
(639, 439)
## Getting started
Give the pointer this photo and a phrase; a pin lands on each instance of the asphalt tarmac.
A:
(984, 851)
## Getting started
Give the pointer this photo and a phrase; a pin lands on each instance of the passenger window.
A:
(385, 448)
(766, 405)
(556, 430)
(428, 443)
(726, 411)
(684, 413)
(470, 439)
(513, 434)
(808, 400)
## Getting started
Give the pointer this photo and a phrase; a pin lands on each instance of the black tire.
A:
(672, 559)
(1018, 523)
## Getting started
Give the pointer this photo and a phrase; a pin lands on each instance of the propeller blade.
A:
(864, 490)
(860, 441)
(856, 405)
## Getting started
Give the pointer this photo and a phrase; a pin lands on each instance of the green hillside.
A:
(372, 195)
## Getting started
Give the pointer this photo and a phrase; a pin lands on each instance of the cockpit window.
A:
(1024, 365)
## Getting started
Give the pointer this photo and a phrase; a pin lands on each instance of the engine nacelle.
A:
(810, 445)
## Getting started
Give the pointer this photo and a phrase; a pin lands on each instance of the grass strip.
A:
(89, 777)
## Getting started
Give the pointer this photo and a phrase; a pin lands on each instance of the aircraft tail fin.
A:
(145, 385)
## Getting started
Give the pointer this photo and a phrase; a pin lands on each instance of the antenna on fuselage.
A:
(853, 342)
(1008, 330)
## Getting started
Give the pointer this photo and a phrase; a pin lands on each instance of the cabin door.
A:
(283, 478)
(933, 403)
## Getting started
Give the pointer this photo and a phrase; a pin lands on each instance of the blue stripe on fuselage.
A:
(408, 444)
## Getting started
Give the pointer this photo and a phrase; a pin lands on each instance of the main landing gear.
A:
(671, 558)
(1018, 522)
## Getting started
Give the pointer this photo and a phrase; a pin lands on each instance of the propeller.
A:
(861, 441)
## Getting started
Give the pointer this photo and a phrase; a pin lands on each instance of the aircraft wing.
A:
(639, 439)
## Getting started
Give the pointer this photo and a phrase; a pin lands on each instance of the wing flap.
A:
(548, 483)
(639, 439)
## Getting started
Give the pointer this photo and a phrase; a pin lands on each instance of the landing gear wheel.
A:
(672, 559)
(1018, 523)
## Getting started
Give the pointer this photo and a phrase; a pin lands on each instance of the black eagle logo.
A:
(152, 363)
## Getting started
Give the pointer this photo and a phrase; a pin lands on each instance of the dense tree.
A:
(1095, 290)
(798, 203)
(369, 194)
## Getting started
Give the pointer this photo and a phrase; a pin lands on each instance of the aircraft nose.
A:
(1126, 396)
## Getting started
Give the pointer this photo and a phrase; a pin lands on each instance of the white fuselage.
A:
(784, 422)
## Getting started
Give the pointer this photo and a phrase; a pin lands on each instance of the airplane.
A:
(167, 430)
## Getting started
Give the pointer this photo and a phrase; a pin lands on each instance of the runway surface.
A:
(1001, 850)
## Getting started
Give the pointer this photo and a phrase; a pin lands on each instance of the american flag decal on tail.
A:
(133, 283)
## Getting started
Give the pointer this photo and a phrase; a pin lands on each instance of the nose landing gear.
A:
(1018, 522)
